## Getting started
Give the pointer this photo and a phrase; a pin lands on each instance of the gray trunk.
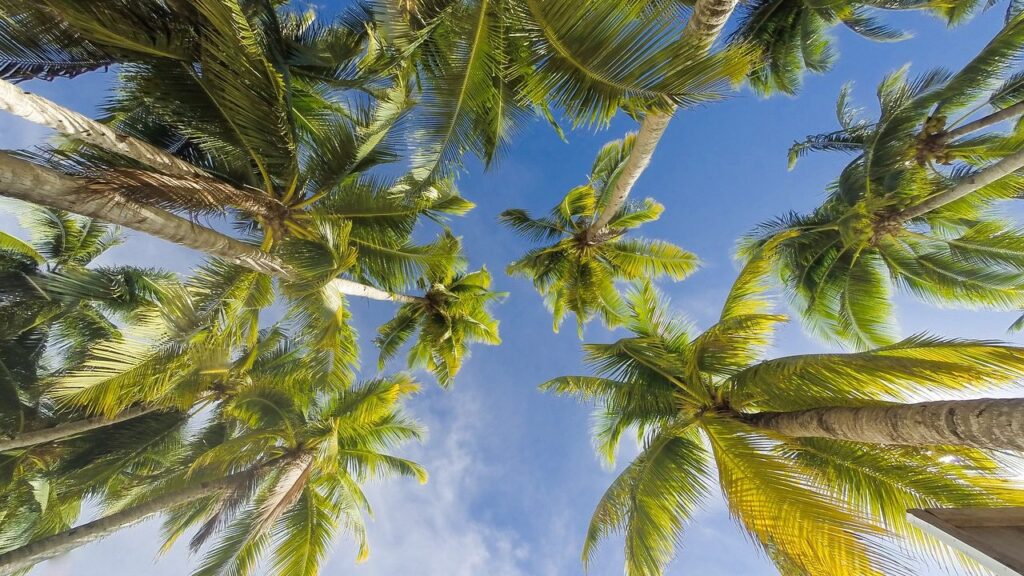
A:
(988, 423)
(70, 429)
(972, 183)
(704, 26)
(45, 548)
(40, 185)
(986, 121)
(70, 123)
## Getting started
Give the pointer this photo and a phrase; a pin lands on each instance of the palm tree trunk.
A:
(45, 548)
(70, 123)
(703, 27)
(988, 423)
(350, 288)
(30, 182)
(69, 429)
(40, 185)
(986, 176)
(986, 121)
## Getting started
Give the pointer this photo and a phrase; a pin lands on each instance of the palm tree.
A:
(816, 500)
(897, 216)
(706, 22)
(453, 312)
(54, 306)
(577, 273)
(234, 114)
(484, 67)
(793, 37)
(276, 467)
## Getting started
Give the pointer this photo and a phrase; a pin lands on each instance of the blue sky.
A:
(513, 475)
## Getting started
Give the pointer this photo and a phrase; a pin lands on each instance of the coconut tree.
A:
(816, 499)
(913, 210)
(484, 67)
(576, 272)
(276, 468)
(793, 37)
(214, 111)
(54, 305)
(452, 313)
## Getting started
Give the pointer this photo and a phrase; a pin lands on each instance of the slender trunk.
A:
(986, 121)
(986, 176)
(703, 27)
(70, 123)
(40, 185)
(30, 182)
(987, 423)
(351, 288)
(45, 548)
(69, 429)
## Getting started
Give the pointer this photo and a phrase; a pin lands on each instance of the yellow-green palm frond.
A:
(920, 365)
(454, 312)
(652, 499)
(589, 58)
(576, 271)
(789, 516)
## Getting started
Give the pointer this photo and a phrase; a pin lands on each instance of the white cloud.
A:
(432, 529)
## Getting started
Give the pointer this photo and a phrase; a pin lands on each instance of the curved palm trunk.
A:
(988, 423)
(350, 288)
(45, 548)
(69, 429)
(70, 123)
(986, 121)
(704, 26)
(986, 176)
(41, 111)
(30, 182)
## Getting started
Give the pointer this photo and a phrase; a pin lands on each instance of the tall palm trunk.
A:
(988, 423)
(70, 429)
(40, 185)
(986, 121)
(984, 177)
(704, 26)
(30, 182)
(45, 548)
(70, 123)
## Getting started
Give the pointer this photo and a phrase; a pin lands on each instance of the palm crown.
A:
(577, 273)
(815, 506)
(54, 305)
(886, 223)
(486, 66)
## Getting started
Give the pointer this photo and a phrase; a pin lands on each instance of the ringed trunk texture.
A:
(704, 26)
(986, 121)
(350, 288)
(1004, 167)
(987, 423)
(70, 123)
(30, 182)
(69, 429)
(45, 548)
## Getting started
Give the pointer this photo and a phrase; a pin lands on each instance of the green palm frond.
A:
(814, 506)
(793, 37)
(577, 272)
(651, 500)
(453, 313)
